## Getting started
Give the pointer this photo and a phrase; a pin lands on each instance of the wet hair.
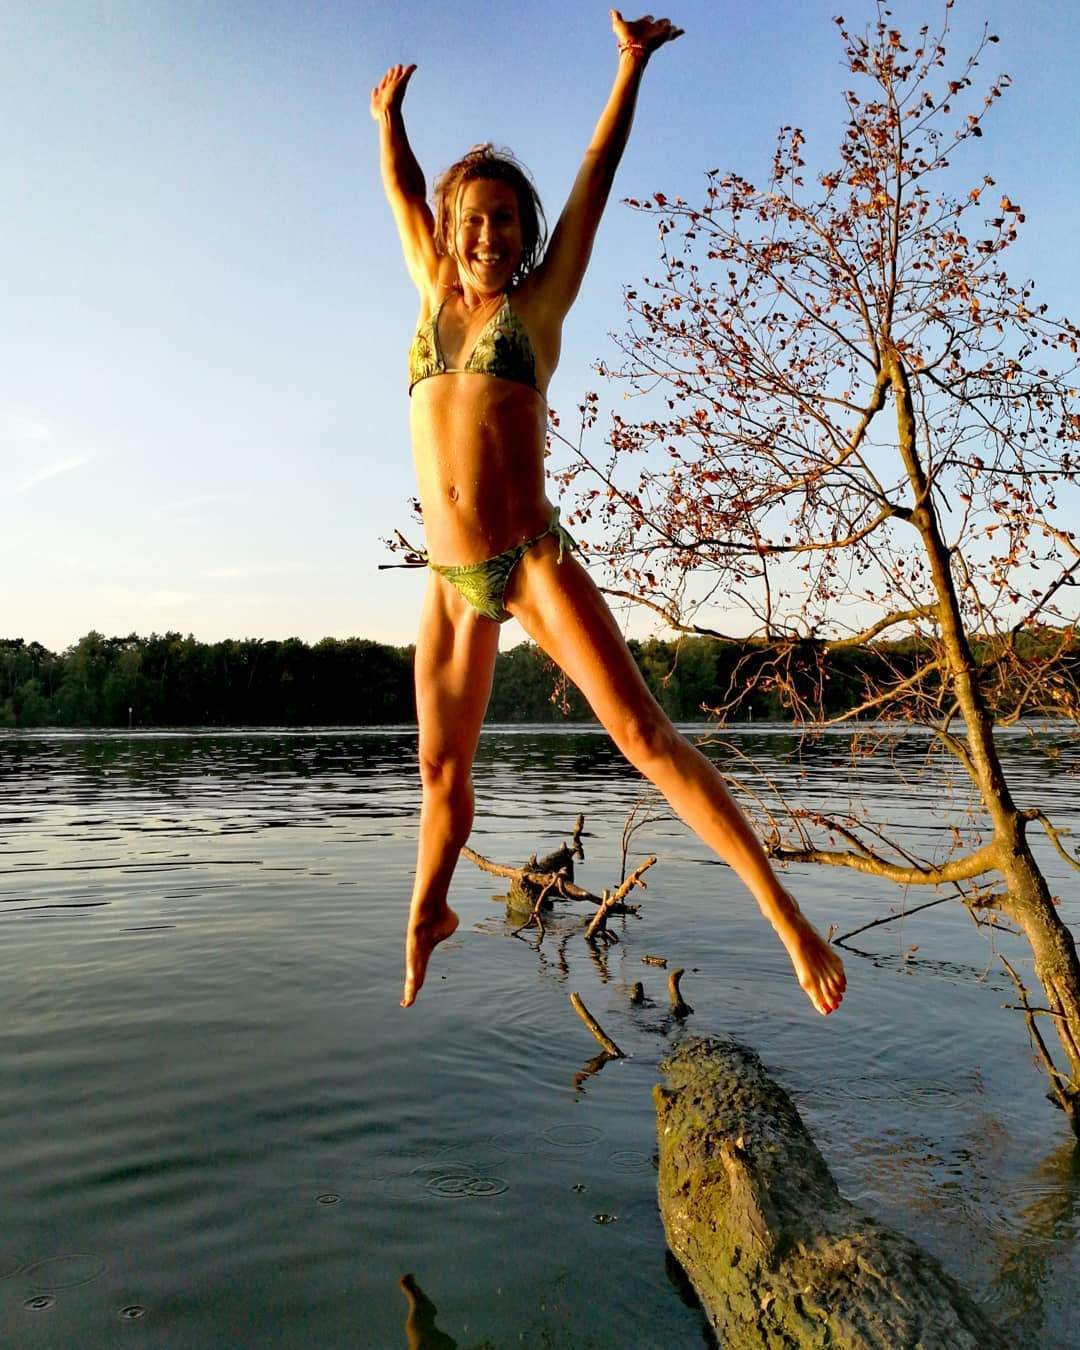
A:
(485, 162)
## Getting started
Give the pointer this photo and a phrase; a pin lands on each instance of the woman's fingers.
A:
(391, 88)
(648, 32)
(396, 74)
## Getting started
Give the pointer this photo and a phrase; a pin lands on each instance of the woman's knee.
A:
(446, 775)
(646, 737)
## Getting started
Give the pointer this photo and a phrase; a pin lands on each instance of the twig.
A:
(534, 917)
(598, 924)
(984, 902)
(594, 1026)
(634, 879)
(1053, 834)
(1063, 1094)
(891, 918)
(632, 824)
(1046, 1012)
(610, 902)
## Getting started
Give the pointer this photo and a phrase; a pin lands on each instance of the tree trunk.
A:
(1029, 905)
(1028, 900)
(777, 1256)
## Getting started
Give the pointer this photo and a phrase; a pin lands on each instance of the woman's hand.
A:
(389, 94)
(643, 35)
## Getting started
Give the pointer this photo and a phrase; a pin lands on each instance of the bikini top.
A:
(503, 350)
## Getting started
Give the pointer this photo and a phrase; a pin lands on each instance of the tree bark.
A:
(1028, 901)
(1029, 905)
(777, 1256)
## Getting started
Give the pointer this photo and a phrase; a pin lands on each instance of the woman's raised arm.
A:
(403, 180)
(559, 276)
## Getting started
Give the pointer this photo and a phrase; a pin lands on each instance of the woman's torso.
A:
(478, 438)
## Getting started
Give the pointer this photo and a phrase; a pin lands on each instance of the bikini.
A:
(503, 351)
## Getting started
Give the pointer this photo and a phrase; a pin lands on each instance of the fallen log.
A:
(776, 1254)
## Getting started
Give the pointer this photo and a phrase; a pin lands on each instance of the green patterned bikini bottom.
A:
(483, 584)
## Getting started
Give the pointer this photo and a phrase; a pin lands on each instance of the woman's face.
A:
(488, 242)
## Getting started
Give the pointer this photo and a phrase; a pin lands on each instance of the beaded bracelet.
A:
(632, 47)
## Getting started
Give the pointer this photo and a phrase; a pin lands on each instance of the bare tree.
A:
(852, 411)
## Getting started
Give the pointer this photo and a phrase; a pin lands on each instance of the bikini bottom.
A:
(483, 584)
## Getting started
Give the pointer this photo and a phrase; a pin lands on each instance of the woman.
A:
(492, 307)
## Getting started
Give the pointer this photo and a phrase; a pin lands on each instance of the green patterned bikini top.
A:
(503, 349)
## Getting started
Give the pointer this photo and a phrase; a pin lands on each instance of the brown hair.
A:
(484, 161)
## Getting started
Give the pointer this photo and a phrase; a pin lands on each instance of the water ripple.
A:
(203, 1057)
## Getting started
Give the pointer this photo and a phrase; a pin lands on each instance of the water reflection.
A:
(1032, 1224)
(201, 1043)
(680, 1282)
(590, 1067)
(421, 1333)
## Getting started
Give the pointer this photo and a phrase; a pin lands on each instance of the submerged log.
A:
(538, 882)
(679, 1006)
(776, 1254)
(525, 890)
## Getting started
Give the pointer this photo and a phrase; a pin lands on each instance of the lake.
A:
(217, 1127)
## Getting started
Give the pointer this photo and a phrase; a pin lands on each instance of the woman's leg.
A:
(563, 612)
(455, 661)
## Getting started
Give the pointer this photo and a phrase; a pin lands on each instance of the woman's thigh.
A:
(562, 610)
(454, 666)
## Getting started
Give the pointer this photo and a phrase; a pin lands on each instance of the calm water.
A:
(217, 1128)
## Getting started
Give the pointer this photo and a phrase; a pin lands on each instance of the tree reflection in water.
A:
(1036, 1237)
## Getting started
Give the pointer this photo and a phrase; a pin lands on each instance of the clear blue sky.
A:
(204, 316)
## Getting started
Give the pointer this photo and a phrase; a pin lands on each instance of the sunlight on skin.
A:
(560, 608)
(818, 968)
(555, 602)
(423, 935)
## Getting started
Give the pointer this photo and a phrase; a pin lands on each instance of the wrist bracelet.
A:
(632, 47)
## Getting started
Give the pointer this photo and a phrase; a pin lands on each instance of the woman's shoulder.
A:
(435, 293)
(528, 303)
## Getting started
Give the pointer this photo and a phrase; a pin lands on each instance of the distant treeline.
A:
(170, 680)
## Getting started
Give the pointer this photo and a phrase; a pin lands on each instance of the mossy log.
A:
(524, 893)
(778, 1257)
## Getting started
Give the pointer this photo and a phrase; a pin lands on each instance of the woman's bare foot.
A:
(818, 968)
(423, 935)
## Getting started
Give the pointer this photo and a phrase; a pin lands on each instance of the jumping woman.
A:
(492, 304)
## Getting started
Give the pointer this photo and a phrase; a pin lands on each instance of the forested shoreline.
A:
(172, 680)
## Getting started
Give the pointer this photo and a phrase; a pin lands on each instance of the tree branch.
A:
(889, 621)
(1033, 813)
(871, 864)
